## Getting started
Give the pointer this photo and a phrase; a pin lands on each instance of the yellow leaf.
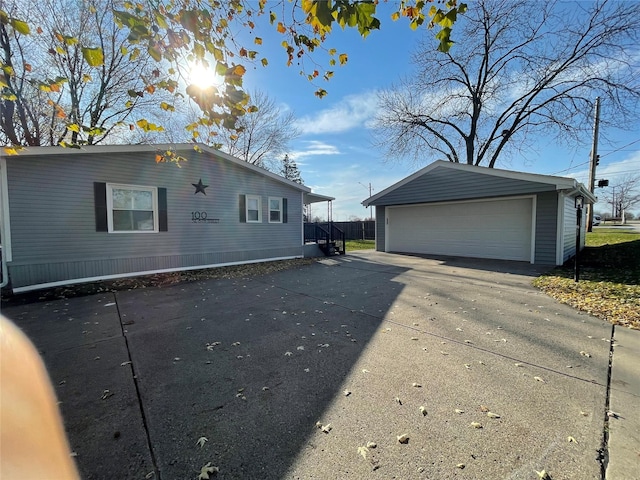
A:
(239, 70)
(93, 56)
(343, 58)
(13, 150)
(281, 28)
(20, 26)
(257, 41)
(395, 16)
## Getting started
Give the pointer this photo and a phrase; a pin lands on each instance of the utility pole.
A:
(370, 207)
(593, 164)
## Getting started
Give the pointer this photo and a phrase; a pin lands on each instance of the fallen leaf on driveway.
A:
(539, 379)
(417, 385)
(571, 440)
(457, 410)
(476, 425)
(201, 441)
(423, 411)
(326, 428)
(206, 470)
(484, 408)
(585, 354)
(363, 451)
(372, 444)
(460, 466)
(347, 393)
(106, 394)
(492, 415)
(123, 364)
(543, 475)
(301, 347)
(398, 401)
(404, 438)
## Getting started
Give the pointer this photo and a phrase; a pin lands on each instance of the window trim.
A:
(154, 200)
(248, 199)
(279, 210)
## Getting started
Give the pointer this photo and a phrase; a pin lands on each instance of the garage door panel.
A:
(486, 229)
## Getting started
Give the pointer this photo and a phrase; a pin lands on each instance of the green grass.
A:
(360, 245)
(610, 236)
(609, 285)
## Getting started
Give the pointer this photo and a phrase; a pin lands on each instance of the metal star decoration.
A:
(200, 187)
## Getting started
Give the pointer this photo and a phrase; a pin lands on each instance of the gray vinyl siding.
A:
(569, 229)
(53, 227)
(546, 228)
(380, 228)
(443, 184)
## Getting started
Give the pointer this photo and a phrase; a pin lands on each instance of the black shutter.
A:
(100, 206)
(243, 209)
(162, 210)
(285, 217)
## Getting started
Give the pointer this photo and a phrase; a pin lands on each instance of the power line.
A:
(619, 149)
(570, 168)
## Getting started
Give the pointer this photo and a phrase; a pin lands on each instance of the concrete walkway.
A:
(372, 346)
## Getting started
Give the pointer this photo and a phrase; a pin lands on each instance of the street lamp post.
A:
(579, 203)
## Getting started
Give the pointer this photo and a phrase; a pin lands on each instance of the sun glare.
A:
(204, 77)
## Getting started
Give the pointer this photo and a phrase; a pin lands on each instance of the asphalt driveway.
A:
(158, 382)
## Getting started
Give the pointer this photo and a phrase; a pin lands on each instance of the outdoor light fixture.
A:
(579, 201)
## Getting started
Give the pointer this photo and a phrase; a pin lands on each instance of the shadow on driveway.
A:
(252, 365)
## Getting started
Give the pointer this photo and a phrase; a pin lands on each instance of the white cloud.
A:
(353, 111)
(313, 148)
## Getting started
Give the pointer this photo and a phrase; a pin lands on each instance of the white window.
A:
(132, 208)
(254, 209)
(275, 210)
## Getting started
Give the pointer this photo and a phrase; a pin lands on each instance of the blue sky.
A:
(335, 152)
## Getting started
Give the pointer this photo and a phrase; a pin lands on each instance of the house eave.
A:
(559, 183)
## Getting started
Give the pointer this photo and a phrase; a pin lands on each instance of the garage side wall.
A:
(569, 229)
(380, 228)
(546, 228)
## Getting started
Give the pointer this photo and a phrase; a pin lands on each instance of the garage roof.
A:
(444, 180)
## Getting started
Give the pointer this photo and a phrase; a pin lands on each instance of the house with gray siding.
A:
(456, 209)
(102, 212)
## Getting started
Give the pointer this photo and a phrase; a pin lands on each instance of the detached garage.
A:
(461, 210)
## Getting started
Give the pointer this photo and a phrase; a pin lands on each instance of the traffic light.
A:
(603, 183)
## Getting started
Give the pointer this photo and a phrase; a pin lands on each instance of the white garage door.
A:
(484, 229)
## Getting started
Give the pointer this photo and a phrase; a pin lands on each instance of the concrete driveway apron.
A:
(314, 373)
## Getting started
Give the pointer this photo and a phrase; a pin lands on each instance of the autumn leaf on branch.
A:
(179, 35)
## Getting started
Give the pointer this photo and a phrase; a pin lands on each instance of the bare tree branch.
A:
(522, 68)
